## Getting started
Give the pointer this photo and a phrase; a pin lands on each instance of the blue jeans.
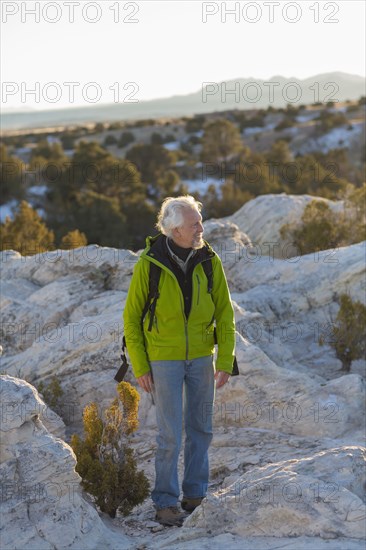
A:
(196, 378)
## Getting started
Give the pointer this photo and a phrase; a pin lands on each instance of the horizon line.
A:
(23, 109)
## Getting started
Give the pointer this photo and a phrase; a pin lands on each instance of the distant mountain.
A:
(249, 93)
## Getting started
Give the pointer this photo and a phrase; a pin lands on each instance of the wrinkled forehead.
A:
(191, 216)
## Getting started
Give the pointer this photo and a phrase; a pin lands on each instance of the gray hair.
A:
(171, 212)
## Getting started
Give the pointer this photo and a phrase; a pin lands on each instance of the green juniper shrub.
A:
(348, 332)
(105, 461)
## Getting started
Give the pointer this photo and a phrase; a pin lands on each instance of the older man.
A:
(172, 349)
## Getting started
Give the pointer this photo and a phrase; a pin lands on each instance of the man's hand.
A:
(146, 382)
(221, 378)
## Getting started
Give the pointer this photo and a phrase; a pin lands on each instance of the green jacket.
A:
(173, 336)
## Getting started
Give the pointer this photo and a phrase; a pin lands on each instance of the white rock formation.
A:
(315, 496)
(284, 306)
(274, 398)
(42, 504)
(227, 240)
(262, 218)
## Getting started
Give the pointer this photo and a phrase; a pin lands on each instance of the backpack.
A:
(152, 298)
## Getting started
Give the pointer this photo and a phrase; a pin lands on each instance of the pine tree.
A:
(27, 233)
(12, 171)
(221, 140)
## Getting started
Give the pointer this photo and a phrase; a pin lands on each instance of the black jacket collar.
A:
(159, 250)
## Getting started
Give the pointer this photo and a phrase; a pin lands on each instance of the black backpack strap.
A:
(154, 277)
(124, 366)
(207, 268)
(235, 371)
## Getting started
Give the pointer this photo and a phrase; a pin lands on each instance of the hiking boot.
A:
(170, 516)
(190, 504)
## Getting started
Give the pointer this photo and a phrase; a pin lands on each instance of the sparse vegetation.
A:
(11, 170)
(125, 139)
(110, 140)
(27, 233)
(73, 239)
(329, 120)
(195, 124)
(286, 122)
(321, 228)
(52, 394)
(105, 461)
(348, 332)
(318, 230)
(156, 139)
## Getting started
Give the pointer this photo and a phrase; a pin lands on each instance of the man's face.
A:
(189, 235)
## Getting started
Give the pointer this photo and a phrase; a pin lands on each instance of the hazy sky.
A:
(169, 50)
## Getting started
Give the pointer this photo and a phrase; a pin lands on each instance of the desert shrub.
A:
(242, 119)
(328, 121)
(125, 139)
(318, 229)
(195, 124)
(115, 125)
(52, 393)
(232, 198)
(73, 239)
(110, 140)
(98, 128)
(348, 332)
(356, 205)
(286, 122)
(321, 228)
(352, 108)
(105, 460)
(141, 123)
(68, 140)
(156, 139)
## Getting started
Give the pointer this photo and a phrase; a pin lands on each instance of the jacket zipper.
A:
(185, 325)
(184, 316)
(198, 283)
(186, 331)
